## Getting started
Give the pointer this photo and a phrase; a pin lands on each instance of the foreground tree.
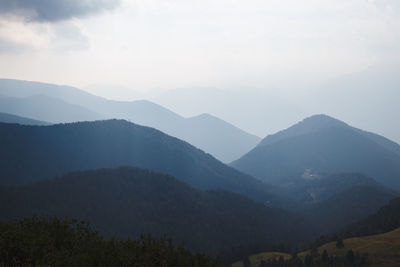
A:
(55, 242)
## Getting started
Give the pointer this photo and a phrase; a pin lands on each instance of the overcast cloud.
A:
(149, 44)
(54, 10)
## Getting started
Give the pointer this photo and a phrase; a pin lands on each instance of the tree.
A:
(339, 243)
(308, 260)
(246, 262)
(324, 256)
(263, 263)
(350, 256)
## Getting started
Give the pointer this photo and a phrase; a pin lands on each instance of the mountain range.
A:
(321, 144)
(367, 99)
(38, 107)
(69, 104)
(32, 153)
(316, 177)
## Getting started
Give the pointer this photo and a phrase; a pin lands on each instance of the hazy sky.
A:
(148, 44)
(276, 61)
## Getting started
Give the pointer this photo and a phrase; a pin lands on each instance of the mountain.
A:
(336, 200)
(313, 188)
(347, 207)
(378, 235)
(31, 153)
(222, 138)
(206, 132)
(44, 108)
(321, 144)
(126, 202)
(256, 111)
(385, 219)
(10, 118)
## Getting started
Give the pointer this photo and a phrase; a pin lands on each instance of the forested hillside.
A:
(127, 202)
(32, 153)
(49, 241)
(322, 144)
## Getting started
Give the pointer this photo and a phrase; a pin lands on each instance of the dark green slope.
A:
(50, 241)
(128, 201)
(337, 200)
(31, 153)
(386, 219)
(313, 188)
(323, 145)
(347, 207)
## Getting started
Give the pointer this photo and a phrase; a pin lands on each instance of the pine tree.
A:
(339, 244)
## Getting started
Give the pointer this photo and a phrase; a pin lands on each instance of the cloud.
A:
(9, 46)
(17, 37)
(68, 37)
(54, 10)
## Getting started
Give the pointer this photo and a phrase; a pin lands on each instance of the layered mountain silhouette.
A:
(44, 108)
(10, 118)
(206, 132)
(31, 153)
(126, 202)
(321, 144)
(257, 111)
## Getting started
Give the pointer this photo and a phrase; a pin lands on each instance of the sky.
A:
(146, 45)
(298, 54)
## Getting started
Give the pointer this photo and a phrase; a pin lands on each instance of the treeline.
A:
(49, 241)
(237, 253)
(315, 259)
(126, 202)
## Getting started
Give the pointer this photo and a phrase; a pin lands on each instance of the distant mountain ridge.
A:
(206, 132)
(32, 153)
(46, 108)
(10, 118)
(323, 145)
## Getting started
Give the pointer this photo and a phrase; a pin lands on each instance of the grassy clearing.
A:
(382, 249)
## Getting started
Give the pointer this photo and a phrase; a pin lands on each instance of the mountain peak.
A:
(311, 124)
(323, 120)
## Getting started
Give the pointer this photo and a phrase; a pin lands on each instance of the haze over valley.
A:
(199, 133)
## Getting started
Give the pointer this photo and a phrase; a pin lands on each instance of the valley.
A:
(308, 184)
